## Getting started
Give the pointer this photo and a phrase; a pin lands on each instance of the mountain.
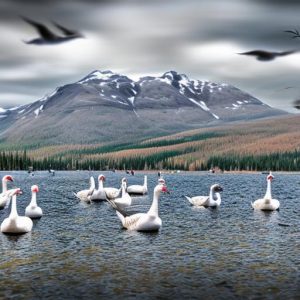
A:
(107, 107)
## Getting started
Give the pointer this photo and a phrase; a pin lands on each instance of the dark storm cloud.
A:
(283, 3)
(138, 37)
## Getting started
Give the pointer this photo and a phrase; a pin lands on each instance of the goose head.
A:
(161, 187)
(101, 177)
(270, 177)
(161, 181)
(124, 182)
(34, 189)
(7, 178)
(17, 192)
(216, 188)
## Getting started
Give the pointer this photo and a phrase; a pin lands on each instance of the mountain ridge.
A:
(104, 105)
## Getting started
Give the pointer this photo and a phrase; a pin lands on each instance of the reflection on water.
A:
(79, 250)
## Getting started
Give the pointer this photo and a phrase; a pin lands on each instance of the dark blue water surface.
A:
(80, 251)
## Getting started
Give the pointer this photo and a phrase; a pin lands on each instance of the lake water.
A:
(80, 251)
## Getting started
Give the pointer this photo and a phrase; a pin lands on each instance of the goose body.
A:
(267, 202)
(16, 224)
(33, 211)
(149, 221)
(85, 195)
(99, 194)
(212, 200)
(125, 199)
(6, 194)
(138, 189)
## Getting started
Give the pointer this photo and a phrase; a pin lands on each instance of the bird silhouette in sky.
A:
(297, 104)
(295, 33)
(263, 55)
(47, 37)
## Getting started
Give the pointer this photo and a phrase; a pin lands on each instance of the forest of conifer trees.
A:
(286, 161)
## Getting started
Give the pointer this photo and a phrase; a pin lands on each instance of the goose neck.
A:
(4, 185)
(13, 212)
(211, 194)
(218, 196)
(33, 200)
(100, 185)
(268, 192)
(153, 211)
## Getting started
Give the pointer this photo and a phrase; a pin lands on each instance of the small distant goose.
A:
(149, 221)
(263, 55)
(213, 200)
(99, 194)
(267, 203)
(125, 199)
(138, 189)
(85, 195)
(16, 224)
(33, 211)
(6, 194)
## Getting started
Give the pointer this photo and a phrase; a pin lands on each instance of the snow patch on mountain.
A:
(38, 110)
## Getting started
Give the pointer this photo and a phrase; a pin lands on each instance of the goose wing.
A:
(131, 222)
(200, 200)
(43, 31)
(112, 193)
(66, 31)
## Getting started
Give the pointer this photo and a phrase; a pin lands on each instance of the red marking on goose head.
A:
(101, 178)
(8, 178)
(35, 189)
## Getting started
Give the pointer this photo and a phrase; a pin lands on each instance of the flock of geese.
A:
(120, 199)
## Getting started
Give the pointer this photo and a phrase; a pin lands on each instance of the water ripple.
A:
(80, 250)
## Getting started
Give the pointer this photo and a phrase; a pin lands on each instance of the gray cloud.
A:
(199, 38)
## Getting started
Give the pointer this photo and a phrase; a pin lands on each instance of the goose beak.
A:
(19, 192)
(165, 189)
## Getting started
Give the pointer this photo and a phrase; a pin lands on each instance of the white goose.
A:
(149, 221)
(99, 194)
(14, 223)
(138, 189)
(85, 195)
(213, 200)
(6, 194)
(33, 211)
(267, 203)
(110, 192)
(125, 199)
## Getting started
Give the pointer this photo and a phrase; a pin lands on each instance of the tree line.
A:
(286, 161)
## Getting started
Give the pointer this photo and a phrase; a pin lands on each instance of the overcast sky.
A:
(149, 37)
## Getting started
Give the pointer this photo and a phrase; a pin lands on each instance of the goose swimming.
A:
(16, 224)
(125, 199)
(267, 202)
(149, 221)
(6, 194)
(99, 194)
(85, 195)
(138, 189)
(33, 211)
(212, 200)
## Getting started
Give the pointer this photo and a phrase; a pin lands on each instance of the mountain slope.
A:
(108, 107)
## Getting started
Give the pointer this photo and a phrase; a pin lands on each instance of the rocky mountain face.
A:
(107, 107)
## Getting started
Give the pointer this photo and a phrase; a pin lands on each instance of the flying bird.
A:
(295, 33)
(297, 104)
(263, 55)
(47, 37)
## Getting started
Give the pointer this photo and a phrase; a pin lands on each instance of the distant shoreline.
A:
(162, 172)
